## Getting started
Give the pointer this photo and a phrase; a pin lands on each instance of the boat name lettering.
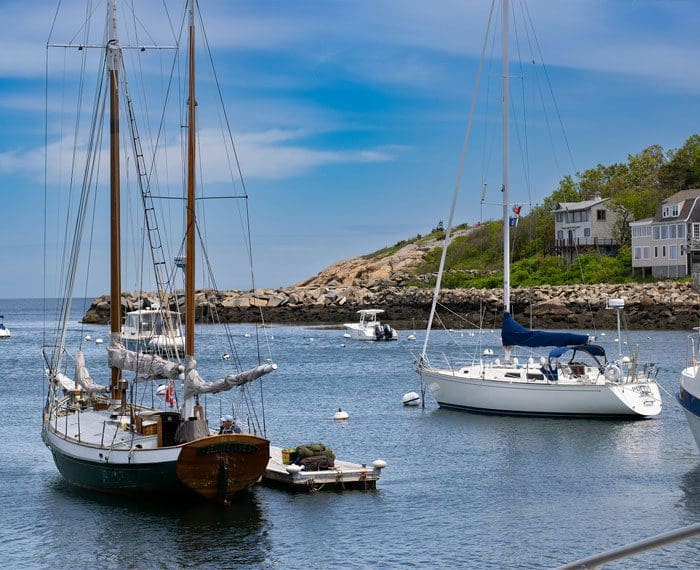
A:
(228, 448)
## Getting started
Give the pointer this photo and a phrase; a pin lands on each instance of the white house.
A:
(669, 243)
(585, 225)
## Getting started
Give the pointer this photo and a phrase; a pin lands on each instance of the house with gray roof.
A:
(668, 245)
(585, 226)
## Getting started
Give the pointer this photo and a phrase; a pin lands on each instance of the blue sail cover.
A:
(592, 349)
(514, 334)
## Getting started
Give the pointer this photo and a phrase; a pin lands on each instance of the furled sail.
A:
(195, 384)
(145, 364)
(83, 380)
(514, 334)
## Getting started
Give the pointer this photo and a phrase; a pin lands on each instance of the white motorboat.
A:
(688, 395)
(153, 330)
(369, 327)
(4, 331)
(542, 387)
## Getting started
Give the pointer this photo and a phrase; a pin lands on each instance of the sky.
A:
(348, 119)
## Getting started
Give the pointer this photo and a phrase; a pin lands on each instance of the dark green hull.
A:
(155, 479)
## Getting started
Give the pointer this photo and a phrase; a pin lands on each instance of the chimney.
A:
(597, 195)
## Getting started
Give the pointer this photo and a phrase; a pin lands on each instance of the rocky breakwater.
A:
(663, 305)
(382, 281)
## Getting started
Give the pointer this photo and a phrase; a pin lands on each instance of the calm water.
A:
(460, 489)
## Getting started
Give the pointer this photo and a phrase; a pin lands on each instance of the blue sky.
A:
(349, 116)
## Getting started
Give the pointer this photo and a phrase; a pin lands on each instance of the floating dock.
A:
(343, 476)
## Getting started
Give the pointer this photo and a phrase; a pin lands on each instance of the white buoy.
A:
(161, 390)
(293, 469)
(342, 345)
(272, 337)
(411, 399)
(341, 415)
(602, 334)
(379, 464)
(311, 339)
(246, 335)
(225, 356)
(98, 341)
(411, 337)
(88, 337)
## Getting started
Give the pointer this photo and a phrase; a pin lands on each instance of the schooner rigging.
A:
(101, 437)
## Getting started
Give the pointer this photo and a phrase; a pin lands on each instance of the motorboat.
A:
(4, 331)
(153, 330)
(369, 327)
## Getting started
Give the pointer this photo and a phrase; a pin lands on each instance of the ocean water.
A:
(460, 490)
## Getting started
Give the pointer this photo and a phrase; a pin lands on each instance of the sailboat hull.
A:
(213, 468)
(689, 398)
(469, 392)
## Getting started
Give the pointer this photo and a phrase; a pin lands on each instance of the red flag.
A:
(516, 209)
(170, 394)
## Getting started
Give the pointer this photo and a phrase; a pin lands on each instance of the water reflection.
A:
(690, 485)
(121, 531)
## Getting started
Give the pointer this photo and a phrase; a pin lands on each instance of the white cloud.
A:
(272, 154)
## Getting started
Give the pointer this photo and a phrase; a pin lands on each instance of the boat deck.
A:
(99, 428)
(344, 475)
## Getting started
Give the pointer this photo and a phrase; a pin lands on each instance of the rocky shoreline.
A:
(661, 305)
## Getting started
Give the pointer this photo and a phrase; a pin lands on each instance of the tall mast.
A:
(506, 212)
(191, 220)
(114, 55)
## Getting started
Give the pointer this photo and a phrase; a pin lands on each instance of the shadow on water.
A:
(143, 533)
(690, 485)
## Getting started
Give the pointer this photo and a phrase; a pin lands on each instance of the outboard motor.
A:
(377, 332)
(388, 333)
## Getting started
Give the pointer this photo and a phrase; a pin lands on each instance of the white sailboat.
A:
(542, 387)
(688, 395)
(106, 437)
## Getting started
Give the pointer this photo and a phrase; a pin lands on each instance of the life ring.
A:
(613, 373)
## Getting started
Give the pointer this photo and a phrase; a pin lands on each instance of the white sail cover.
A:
(195, 384)
(83, 380)
(145, 364)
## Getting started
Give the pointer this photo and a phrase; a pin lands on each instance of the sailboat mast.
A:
(191, 220)
(113, 64)
(506, 182)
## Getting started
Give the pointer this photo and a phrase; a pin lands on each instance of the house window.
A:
(559, 217)
(600, 215)
(638, 253)
(672, 252)
(696, 232)
(656, 232)
(669, 211)
(672, 231)
(587, 232)
(681, 231)
(656, 251)
(560, 234)
(664, 232)
(646, 252)
(663, 251)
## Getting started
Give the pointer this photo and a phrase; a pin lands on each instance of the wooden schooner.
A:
(102, 437)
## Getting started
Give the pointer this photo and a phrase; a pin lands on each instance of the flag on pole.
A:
(170, 394)
(517, 208)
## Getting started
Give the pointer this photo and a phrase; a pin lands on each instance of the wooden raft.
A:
(343, 476)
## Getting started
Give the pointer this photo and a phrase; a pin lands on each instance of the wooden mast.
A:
(191, 220)
(113, 61)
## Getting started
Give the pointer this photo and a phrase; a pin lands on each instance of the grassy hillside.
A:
(635, 188)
